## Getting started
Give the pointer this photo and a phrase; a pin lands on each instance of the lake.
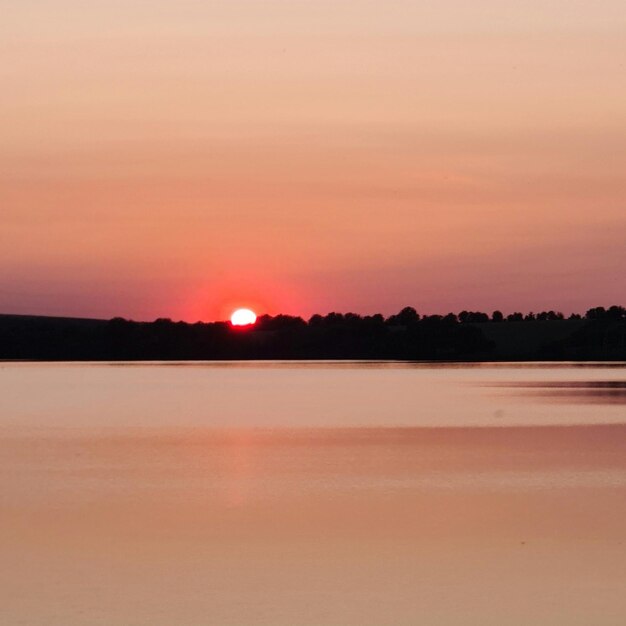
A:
(317, 493)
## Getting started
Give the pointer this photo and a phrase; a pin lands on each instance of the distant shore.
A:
(599, 334)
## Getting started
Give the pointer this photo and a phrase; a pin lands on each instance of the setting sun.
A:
(243, 317)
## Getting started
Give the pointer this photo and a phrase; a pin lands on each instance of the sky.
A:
(179, 159)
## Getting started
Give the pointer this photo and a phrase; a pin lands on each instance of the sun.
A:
(243, 317)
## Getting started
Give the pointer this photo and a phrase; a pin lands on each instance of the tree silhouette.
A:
(601, 334)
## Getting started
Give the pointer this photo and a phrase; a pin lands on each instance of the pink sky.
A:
(181, 158)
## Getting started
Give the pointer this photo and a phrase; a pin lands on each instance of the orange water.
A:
(312, 494)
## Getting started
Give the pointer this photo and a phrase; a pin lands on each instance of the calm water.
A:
(290, 493)
(306, 395)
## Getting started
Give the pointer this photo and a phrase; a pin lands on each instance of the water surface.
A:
(318, 493)
(305, 394)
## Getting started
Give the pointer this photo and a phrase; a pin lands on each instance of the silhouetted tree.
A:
(616, 312)
(596, 313)
(473, 317)
(333, 318)
(407, 316)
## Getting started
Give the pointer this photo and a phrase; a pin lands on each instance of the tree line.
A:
(598, 334)
(409, 316)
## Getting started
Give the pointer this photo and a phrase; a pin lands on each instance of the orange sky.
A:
(181, 158)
